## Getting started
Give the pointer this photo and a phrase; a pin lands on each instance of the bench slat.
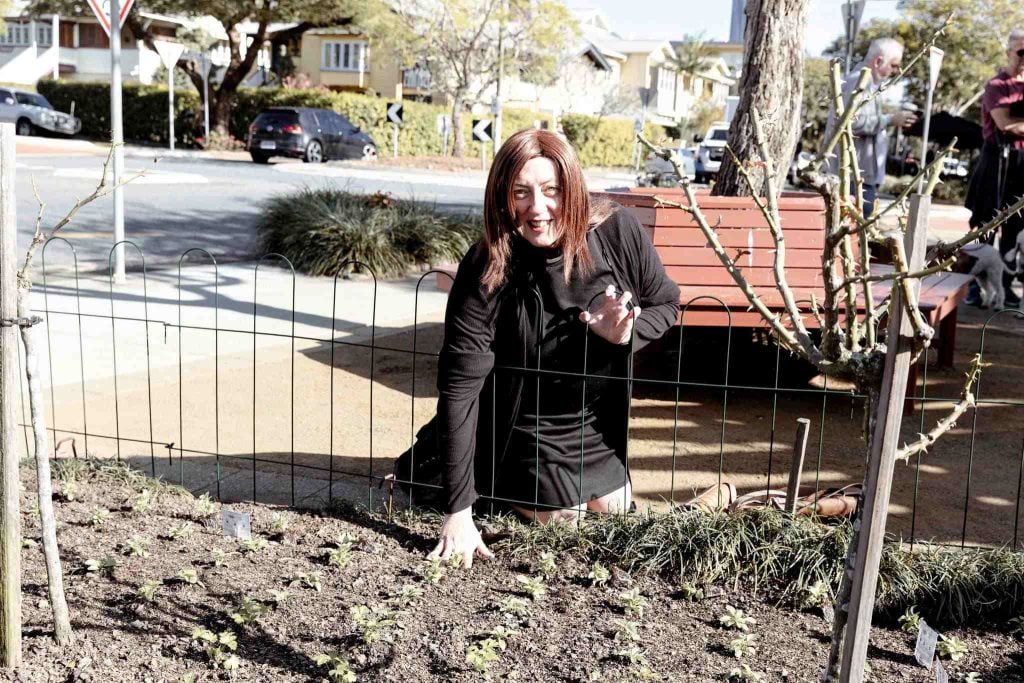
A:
(734, 237)
(756, 258)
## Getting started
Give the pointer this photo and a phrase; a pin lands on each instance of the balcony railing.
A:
(417, 78)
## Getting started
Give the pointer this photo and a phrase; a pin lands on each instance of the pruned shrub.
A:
(327, 232)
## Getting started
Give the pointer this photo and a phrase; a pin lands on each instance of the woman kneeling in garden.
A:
(552, 264)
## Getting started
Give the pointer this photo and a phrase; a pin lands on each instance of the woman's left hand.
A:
(613, 319)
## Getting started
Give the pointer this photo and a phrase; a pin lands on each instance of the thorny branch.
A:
(967, 400)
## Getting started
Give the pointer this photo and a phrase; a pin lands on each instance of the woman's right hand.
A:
(459, 536)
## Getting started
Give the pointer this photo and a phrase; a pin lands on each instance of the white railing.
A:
(417, 78)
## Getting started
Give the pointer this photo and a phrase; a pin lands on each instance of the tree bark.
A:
(458, 104)
(771, 83)
(55, 579)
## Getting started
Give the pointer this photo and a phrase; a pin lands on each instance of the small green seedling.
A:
(279, 597)
(431, 571)
(136, 546)
(143, 502)
(407, 595)
(340, 671)
(372, 625)
(514, 606)
(189, 576)
(104, 566)
(346, 538)
(743, 645)
(99, 516)
(814, 595)
(481, 655)
(339, 557)
(215, 644)
(204, 506)
(69, 490)
(311, 580)
(533, 586)
(148, 590)
(219, 557)
(626, 631)
(744, 673)
(278, 524)
(454, 561)
(547, 565)
(633, 603)
(691, 591)
(634, 655)
(598, 575)
(952, 647)
(910, 622)
(180, 533)
(735, 618)
(502, 634)
(28, 542)
(251, 546)
(645, 673)
(248, 611)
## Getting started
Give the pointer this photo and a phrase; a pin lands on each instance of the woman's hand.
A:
(459, 536)
(613, 320)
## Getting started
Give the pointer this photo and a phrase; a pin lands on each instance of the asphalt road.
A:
(182, 204)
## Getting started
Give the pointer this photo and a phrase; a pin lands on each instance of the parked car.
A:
(660, 173)
(32, 113)
(314, 135)
(711, 151)
(801, 161)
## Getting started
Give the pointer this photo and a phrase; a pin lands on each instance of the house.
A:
(340, 58)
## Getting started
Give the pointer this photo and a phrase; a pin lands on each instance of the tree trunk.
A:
(61, 620)
(460, 139)
(772, 83)
(220, 110)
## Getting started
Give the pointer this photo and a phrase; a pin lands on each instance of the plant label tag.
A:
(940, 672)
(927, 638)
(236, 524)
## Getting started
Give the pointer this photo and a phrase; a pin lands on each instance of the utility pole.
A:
(117, 137)
(496, 108)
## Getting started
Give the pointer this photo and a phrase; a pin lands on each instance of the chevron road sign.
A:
(482, 130)
(394, 113)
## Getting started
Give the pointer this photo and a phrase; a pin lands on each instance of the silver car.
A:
(32, 113)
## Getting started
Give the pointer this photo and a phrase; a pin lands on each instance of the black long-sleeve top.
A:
(482, 329)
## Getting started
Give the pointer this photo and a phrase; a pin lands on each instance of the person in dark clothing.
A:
(560, 284)
(998, 179)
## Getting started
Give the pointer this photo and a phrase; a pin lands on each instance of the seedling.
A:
(278, 597)
(204, 507)
(626, 631)
(502, 634)
(533, 586)
(548, 566)
(252, 545)
(189, 576)
(69, 490)
(814, 596)
(481, 655)
(454, 561)
(180, 533)
(143, 502)
(278, 524)
(952, 647)
(633, 655)
(633, 603)
(515, 606)
(219, 557)
(307, 580)
(147, 591)
(136, 546)
(645, 673)
(598, 575)
(99, 516)
(28, 543)
(340, 671)
(372, 624)
(735, 618)
(106, 565)
(346, 538)
(743, 645)
(432, 572)
(248, 611)
(407, 595)
(215, 644)
(910, 622)
(691, 591)
(339, 557)
(745, 673)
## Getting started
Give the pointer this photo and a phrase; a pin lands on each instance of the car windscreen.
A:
(33, 99)
(720, 134)
(276, 119)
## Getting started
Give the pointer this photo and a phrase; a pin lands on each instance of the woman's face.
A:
(538, 202)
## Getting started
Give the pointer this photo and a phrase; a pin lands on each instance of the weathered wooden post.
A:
(882, 457)
(803, 426)
(10, 517)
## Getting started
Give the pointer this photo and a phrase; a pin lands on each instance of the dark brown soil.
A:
(569, 636)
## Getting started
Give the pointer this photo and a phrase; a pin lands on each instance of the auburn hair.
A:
(578, 212)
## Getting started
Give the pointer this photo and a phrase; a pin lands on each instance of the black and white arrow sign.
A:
(394, 113)
(482, 130)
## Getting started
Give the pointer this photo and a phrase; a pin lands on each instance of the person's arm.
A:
(659, 294)
(1011, 125)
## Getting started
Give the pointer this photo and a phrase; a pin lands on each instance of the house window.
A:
(17, 34)
(92, 35)
(44, 34)
(345, 56)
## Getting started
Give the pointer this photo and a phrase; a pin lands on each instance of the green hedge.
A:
(144, 109)
(606, 142)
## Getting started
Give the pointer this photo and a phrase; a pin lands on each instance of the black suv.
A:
(315, 135)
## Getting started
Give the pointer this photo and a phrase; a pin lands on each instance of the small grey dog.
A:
(989, 265)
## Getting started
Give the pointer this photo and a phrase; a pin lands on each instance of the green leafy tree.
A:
(817, 95)
(692, 55)
(458, 42)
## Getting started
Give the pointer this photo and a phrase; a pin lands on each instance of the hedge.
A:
(604, 142)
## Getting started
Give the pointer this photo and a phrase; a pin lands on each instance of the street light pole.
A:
(117, 137)
(501, 71)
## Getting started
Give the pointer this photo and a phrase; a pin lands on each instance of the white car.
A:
(711, 151)
(31, 113)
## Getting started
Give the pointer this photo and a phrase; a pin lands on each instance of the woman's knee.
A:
(616, 501)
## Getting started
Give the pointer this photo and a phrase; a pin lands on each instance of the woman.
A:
(552, 265)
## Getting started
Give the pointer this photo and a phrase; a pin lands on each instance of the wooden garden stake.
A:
(803, 426)
(10, 516)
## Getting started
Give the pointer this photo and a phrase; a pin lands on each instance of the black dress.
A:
(546, 437)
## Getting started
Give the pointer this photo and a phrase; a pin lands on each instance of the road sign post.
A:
(483, 133)
(394, 113)
(169, 53)
(934, 65)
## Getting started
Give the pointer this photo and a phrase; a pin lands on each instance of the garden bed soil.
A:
(568, 637)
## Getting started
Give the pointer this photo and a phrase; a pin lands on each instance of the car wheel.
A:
(314, 152)
(24, 127)
(259, 158)
(369, 152)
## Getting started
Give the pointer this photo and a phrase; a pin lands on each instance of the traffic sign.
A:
(482, 130)
(101, 8)
(394, 113)
(169, 52)
(444, 124)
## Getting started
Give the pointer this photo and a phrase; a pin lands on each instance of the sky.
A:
(671, 19)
